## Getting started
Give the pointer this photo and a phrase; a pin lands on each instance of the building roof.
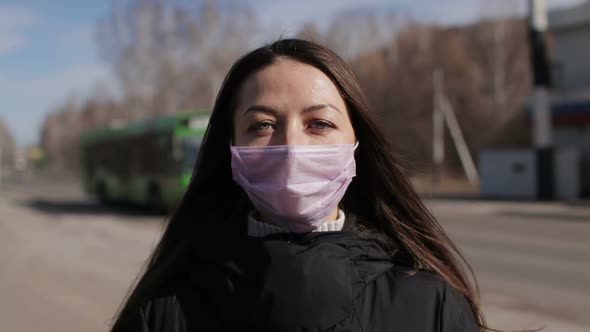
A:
(571, 17)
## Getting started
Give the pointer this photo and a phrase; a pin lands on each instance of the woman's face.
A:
(291, 103)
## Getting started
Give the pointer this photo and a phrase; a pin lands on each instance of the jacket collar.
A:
(290, 282)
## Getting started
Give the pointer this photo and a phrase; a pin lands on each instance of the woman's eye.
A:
(321, 125)
(262, 126)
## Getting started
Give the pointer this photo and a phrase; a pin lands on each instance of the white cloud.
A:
(12, 22)
(26, 102)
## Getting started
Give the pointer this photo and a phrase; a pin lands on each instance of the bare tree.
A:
(352, 34)
(500, 50)
(61, 133)
(160, 50)
(167, 57)
(486, 80)
(8, 147)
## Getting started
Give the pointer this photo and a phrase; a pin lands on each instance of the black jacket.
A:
(333, 281)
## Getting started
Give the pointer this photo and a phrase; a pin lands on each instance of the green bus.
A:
(147, 163)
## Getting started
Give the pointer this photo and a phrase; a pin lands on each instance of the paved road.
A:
(531, 257)
(66, 262)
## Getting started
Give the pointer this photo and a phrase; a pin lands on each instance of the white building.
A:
(570, 52)
(515, 173)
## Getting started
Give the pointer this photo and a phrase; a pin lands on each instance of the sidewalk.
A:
(578, 212)
(462, 192)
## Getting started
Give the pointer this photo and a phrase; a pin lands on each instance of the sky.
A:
(48, 49)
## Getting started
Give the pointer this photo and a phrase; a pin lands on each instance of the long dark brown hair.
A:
(380, 196)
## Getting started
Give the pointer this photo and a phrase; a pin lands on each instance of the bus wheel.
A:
(156, 203)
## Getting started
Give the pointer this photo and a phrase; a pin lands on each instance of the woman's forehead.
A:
(289, 82)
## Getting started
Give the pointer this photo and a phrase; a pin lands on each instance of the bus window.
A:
(190, 152)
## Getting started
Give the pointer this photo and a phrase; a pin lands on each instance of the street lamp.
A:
(541, 112)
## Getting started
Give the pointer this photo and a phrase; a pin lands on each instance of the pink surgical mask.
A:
(297, 186)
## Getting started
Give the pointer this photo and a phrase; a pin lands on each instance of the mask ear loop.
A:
(340, 206)
(355, 150)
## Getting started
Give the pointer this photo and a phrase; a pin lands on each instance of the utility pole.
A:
(541, 105)
(444, 113)
(499, 71)
(438, 128)
(460, 143)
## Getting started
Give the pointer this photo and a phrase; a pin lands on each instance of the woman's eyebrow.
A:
(318, 107)
(262, 109)
(272, 111)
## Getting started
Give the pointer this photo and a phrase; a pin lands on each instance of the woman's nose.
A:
(292, 134)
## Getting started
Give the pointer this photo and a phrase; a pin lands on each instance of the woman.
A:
(299, 218)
